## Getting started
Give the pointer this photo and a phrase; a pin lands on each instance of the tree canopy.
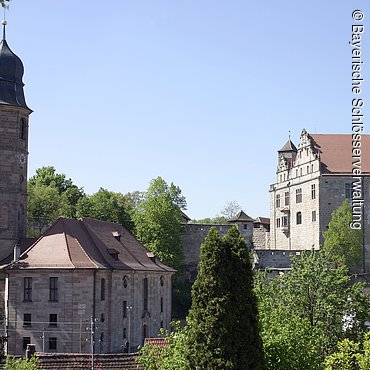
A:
(342, 242)
(158, 220)
(304, 313)
(106, 206)
(223, 326)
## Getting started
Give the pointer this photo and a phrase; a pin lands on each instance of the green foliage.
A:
(304, 313)
(21, 364)
(106, 206)
(350, 356)
(340, 241)
(223, 328)
(50, 195)
(181, 299)
(166, 358)
(218, 220)
(158, 221)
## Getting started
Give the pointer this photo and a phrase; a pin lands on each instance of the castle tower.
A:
(14, 115)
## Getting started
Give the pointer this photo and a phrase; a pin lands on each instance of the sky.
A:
(201, 93)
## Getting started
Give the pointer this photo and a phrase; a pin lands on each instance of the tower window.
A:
(278, 222)
(284, 221)
(23, 129)
(161, 304)
(277, 200)
(313, 216)
(124, 309)
(298, 195)
(299, 218)
(125, 283)
(286, 196)
(313, 191)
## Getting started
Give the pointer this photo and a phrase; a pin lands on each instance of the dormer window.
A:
(117, 235)
(114, 253)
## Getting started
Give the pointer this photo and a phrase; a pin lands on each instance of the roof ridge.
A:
(65, 237)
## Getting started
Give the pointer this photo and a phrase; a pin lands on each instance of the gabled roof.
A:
(262, 220)
(241, 217)
(88, 244)
(336, 152)
(288, 147)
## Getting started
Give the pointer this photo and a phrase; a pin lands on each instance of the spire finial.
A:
(4, 23)
(289, 134)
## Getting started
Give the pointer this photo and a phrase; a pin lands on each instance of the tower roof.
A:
(288, 147)
(11, 74)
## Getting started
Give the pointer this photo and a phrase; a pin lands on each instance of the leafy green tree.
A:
(218, 220)
(223, 327)
(21, 364)
(304, 313)
(166, 358)
(158, 220)
(106, 206)
(350, 356)
(50, 195)
(342, 242)
(44, 205)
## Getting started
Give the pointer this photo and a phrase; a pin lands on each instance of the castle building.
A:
(84, 284)
(312, 181)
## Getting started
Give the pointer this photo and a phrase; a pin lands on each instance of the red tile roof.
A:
(159, 342)
(88, 243)
(336, 152)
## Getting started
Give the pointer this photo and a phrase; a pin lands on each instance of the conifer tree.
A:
(223, 328)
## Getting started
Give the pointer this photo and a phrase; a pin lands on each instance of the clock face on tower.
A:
(22, 158)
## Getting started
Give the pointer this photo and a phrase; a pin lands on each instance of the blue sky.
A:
(202, 93)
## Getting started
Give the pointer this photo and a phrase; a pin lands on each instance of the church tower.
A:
(14, 115)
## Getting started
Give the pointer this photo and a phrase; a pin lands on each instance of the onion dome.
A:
(11, 73)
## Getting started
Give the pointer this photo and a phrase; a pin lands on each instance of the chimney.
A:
(16, 252)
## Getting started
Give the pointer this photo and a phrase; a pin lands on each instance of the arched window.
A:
(125, 281)
(299, 218)
(102, 289)
(161, 279)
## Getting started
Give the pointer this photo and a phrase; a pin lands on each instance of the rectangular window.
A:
(284, 221)
(102, 289)
(53, 289)
(313, 216)
(278, 222)
(53, 319)
(26, 340)
(161, 304)
(124, 309)
(52, 343)
(27, 289)
(27, 319)
(277, 200)
(313, 191)
(348, 194)
(145, 291)
(298, 195)
(286, 196)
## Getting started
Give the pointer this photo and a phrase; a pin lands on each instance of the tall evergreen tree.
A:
(223, 329)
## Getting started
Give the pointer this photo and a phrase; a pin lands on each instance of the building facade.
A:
(312, 181)
(80, 270)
